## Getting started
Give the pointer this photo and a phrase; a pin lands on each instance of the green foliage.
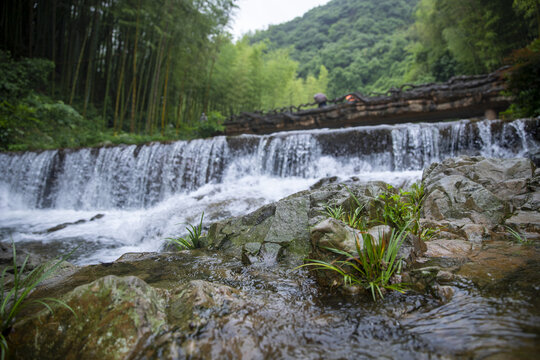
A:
(212, 126)
(19, 78)
(354, 218)
(252, 77)
(455, 37)
(374, 268)
(373, 45)
(15, 121)
(402, 209)
(335, 212)
(362, 44)
(14, 300)
(192, 240)
(396, 211)
(517, 236)
(523, 81)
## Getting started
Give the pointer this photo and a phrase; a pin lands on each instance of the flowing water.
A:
(146, 193)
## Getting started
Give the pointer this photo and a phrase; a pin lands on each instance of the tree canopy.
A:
(371, 45)
(101, 69)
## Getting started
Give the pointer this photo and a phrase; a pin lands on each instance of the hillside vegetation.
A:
(371, 45)
(90, 72)
(361, 43)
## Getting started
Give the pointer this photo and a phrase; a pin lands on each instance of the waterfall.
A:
(129, 177)
(147, 193)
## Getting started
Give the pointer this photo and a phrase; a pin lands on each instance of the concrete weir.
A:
(461, 97)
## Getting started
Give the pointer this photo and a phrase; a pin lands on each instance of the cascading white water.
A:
(149, 192)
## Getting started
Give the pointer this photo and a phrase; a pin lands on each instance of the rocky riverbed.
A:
(474, 290)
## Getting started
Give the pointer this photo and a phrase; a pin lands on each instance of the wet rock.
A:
(324, 181)
(6, 258)
(97, 217)
(193, 305)
(115, 317)
(448, 248)
(333, 233)
(443, 293)
(470, 197)
(475, 233)
(423, 278)
(445, 277)
(381, 231)
(495, 260)
(121, 317)
(81, 221)
(287, 222)
(411, 249)
(529, 221)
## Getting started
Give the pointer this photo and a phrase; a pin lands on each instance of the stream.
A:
(105, 202)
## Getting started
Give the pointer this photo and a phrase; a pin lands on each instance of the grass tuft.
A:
(17, 298)
(192, 240)
(517, 236)
(374, 268)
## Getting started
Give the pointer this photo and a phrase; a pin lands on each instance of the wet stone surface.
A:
(213, 306)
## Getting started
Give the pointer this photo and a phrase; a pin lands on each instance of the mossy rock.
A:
(115, 317)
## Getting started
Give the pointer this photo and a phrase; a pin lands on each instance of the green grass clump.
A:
(517, 236)
(335, 212)
(192, 240)
(375, 266)
(17, 298)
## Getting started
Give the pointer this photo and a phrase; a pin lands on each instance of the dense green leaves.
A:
(524, 81)
(374, 45)
(99, 69)
(468, 36)
(361, 43)
(144, 63)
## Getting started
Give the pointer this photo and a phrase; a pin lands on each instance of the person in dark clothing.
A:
(320, 99)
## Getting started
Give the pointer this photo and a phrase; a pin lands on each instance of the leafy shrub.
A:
(16, 121)
(211, 127)
(18, 78)
(523, 81)
(396, 210)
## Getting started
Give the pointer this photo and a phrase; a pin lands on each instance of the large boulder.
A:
(473, 197)
(281, 231)
(123, 317)
(115, 317)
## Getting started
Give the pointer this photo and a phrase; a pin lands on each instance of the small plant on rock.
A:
(192, 240)
(376, 267)
(14, 300)
(403, 209)
(396, 211)
(335, 212)
(517, 236)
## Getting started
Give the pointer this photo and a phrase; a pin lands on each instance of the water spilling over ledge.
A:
(210, 303)
(131, 177)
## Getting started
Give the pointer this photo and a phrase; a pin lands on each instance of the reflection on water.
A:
(285, 315)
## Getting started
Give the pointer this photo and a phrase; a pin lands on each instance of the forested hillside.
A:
(362, 43)
(371, 45)
(91, 72)
(84, 72)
